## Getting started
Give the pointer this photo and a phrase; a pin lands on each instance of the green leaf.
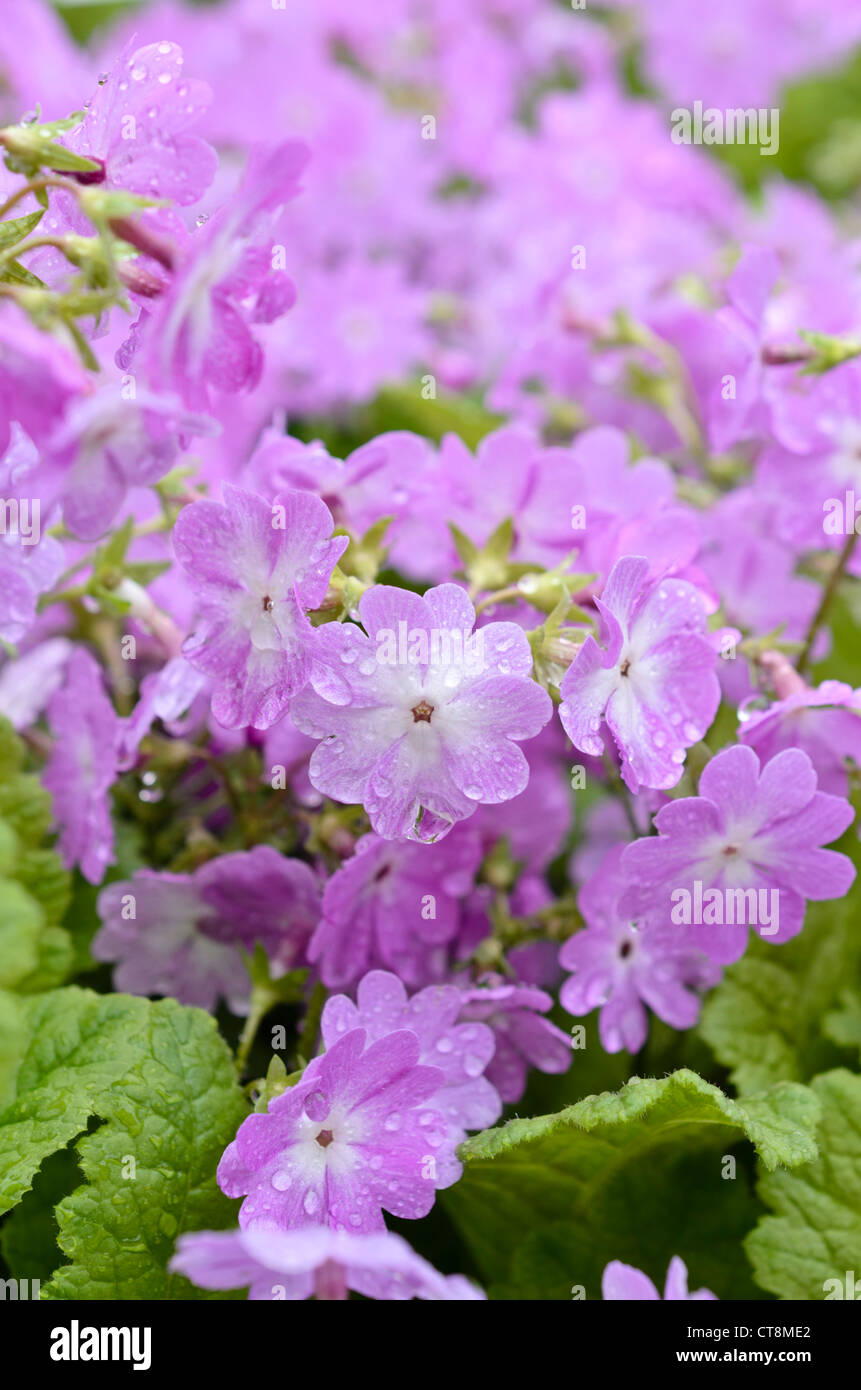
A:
(35, 952)
(635, 1175)
(815, 1233)
(467, 550)
(828, 352)
(162, 1081)
(843, 1024)
(41, 872)
(11, 751)
(21, 923)
(12, 1033)
(14, 273)
(26, 806)
(765, 1019)
(173, 1115)
(18, 228)
(55, 959)
(28, 1238)
(77, 1044)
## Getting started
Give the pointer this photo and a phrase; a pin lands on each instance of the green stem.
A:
(34, 186)
(261, 1002)
(828, 593)
(499, 596)
(311, 1025)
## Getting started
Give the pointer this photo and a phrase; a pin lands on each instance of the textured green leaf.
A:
(12, 1035)
(160, 1086)
(815, 1233)
(35, 952)
(637, 1175)
(28, 1238)
(41, 872)
(21, 923)
(170, 1120)
(77, 1044)
(26, 806)
(55, 958)
(765, 1019)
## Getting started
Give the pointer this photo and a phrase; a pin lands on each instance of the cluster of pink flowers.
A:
(346, 671)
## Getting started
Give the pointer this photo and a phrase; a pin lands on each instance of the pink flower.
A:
(462, 1051)
(621, 966)
(357, 1134)
(394, 904)
(524, 1038)
(227, 280)
(316, 1262)
(424, 729)
(745, 852)
(654, 681)
(255, 569)
(621, 1281)
(137, 127)
(83, 766)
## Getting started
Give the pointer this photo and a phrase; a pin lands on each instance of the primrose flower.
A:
(395, 904)
(316, 1262)
(653, 681)
(423, 724)
(745, 852)
(83, 766)
(356, 1135)
(621, 1281)
(824, 721)
(255, 569)
(137, 127)
(462, 1051)
(227, 280)
(524, 1038)
(181, 934)
(622, 966)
